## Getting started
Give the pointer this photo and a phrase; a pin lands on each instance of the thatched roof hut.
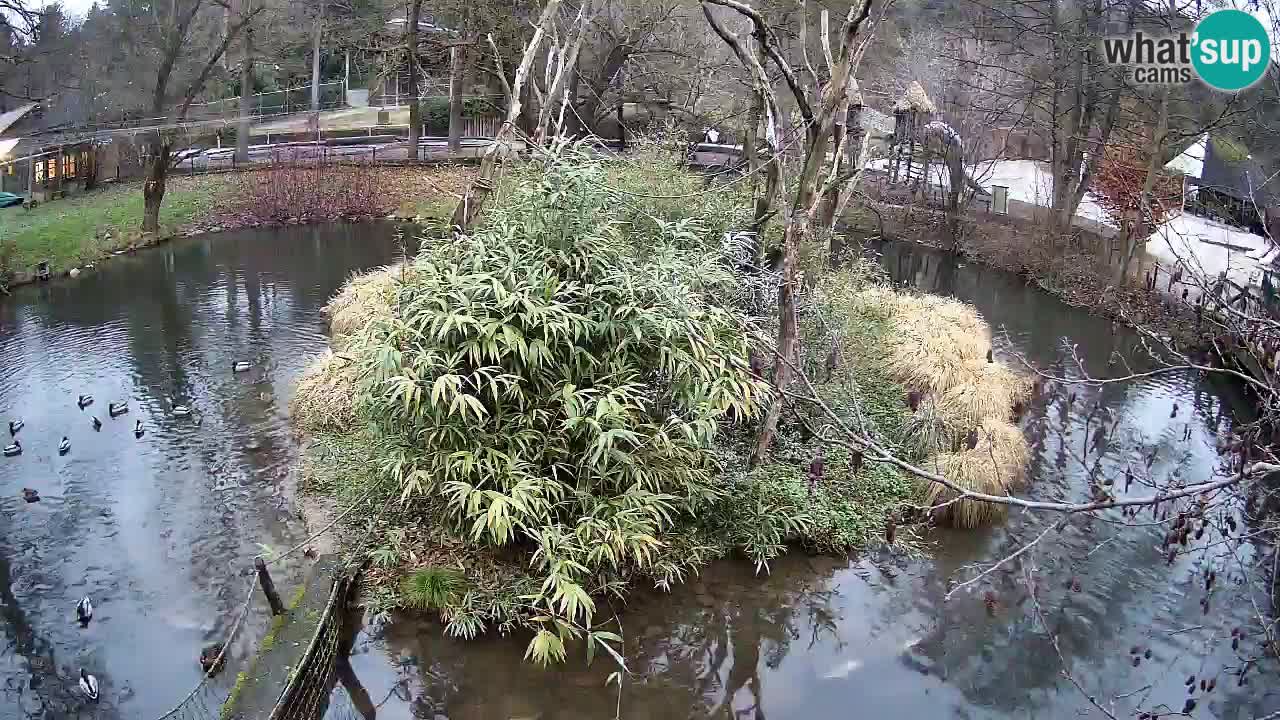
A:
(915, 100)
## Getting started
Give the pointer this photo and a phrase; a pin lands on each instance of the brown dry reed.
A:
(938, 346)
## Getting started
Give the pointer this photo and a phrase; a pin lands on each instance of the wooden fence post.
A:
(268, 587)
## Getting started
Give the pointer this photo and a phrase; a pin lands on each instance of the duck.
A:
(181, 411)
(15, 426)
(137, 429)
(14, 449)
(30, 495)
(119, 408)
(84, 401)
(97, 424)
(241, 366)
(89, 685)
(64, 447)
(211, 659)
(84, 611)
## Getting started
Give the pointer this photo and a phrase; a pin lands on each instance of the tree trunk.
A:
(455, 98)
(411, 51)
(315, 60)
(246, 98)
(787, 336)
(1137, 230)
(155, 173)
(474, 198)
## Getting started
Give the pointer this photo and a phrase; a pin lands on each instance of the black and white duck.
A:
(15, 426)
(241, 366)
(97, 424)
(84, 611)
(14, 449)
(89, 685)
(30, 495)
(137, 429)
(181, 410)
(84, 401)
(119, 408)
(64, 447)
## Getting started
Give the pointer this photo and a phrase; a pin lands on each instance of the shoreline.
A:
(408, 195)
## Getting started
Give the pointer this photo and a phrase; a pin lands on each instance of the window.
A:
(69, 166)
(40, 171)
(53, 168)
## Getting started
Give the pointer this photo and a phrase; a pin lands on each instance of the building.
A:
(1224, 182)
(46, 163)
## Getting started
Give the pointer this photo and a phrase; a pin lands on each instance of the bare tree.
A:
(818, 110)
(172, 27)
(411, 53)
(473, 200)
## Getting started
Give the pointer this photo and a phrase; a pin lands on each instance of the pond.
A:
(158, 529)
(874, 636)
(154, 529)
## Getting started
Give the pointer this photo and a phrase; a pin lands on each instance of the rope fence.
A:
(302, 693)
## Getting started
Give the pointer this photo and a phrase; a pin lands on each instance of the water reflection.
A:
(154, 529)
(875, 636)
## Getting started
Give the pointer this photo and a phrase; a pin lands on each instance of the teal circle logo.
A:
(1231, 50)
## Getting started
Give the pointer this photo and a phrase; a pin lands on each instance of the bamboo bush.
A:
(558, 385)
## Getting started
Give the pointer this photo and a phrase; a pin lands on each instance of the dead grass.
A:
(986, 390)
(325, 398)
(939, 347)
(996, 466)
(363, 297)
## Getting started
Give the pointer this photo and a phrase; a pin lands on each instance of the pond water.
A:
(158, 529)
(873, 636)
(155, 530)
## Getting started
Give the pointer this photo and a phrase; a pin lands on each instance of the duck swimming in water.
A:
(15, 426)
(137, 429)
(64, 447)
(241, 366)
(97, 424)
(211, 659)
(119, 408)
(84, 401)
(89, 685)
(181, 411)
(84, 611)
(30, 495)
(14, 449)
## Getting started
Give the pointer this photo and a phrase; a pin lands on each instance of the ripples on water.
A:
(872, 636)
(155, 529)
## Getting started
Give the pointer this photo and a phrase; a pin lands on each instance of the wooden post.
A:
(268, 587)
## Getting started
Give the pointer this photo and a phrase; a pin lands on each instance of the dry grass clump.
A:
(996, 466)
(939, 348)
(986, 390)
(936, 341)
(363, 297)
(325, 398)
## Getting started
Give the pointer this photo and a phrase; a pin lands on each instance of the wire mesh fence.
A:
(276, 102)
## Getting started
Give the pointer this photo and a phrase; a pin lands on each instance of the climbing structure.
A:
(911, 113)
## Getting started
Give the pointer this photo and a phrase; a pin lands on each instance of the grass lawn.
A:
(68, 232)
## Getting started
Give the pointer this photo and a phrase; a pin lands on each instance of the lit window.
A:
(69, 166)
(53, 168)
(40, 172)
